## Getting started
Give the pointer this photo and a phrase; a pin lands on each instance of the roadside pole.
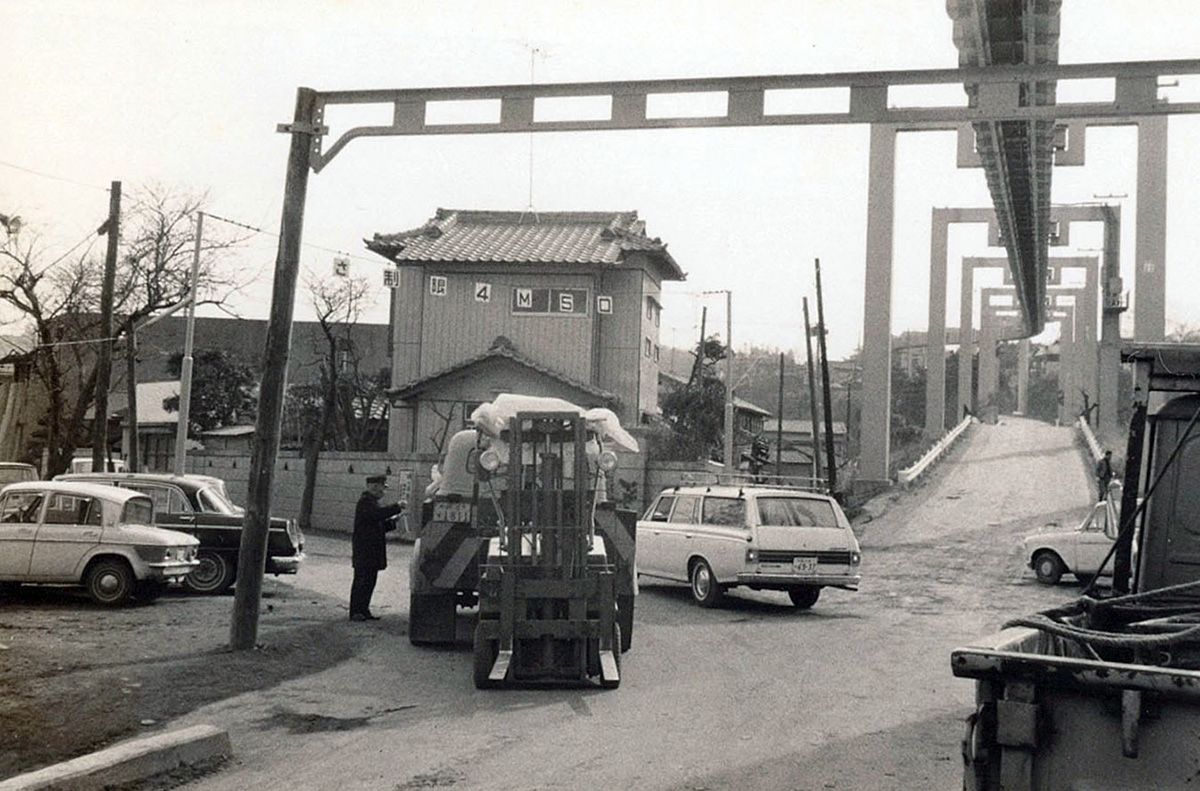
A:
(812, 395)
(829, 457)
(243, 631)
(729, 382)
(112, 226)
(185, 371)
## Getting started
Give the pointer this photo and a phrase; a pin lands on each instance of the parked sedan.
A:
(100, 537)
(193, 504)
(1079, 551)
(15, 471)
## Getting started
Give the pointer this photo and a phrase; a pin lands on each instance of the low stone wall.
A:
(341, 478)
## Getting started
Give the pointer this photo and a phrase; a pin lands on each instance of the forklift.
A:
(549, 609)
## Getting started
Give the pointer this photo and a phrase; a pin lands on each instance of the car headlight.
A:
(153, 554)
(607, 460)
(855, 558)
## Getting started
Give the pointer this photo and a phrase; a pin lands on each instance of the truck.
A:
(474, 517)
(1104, 693)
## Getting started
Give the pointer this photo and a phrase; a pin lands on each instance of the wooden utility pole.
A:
(131, 419)
(698, 363)
(812, 394)
(728, 382)
(779, 426)
(243, 632)
(185, 371)
(829, 456)
(112, 227)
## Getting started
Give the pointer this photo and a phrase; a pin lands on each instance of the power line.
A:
(54, 178)
(276, 235)
(133, 199)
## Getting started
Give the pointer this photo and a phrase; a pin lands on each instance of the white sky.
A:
(189, 94)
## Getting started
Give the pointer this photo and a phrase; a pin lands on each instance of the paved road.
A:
(854, 694)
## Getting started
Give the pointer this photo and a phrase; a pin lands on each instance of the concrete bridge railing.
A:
(910, 474)
(1089, 439)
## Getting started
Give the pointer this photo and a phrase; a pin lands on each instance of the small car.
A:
(192, 504)
(101, 537)
(1079, 551)
(15, 472)
(765, 538)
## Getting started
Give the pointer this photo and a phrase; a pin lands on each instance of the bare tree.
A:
(338, 302)
(61, 301)
(58, 300)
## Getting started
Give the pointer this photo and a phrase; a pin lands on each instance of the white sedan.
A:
(101, 537)
(1079, 551)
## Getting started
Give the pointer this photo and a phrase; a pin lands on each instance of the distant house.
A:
(16, 417)
(560, 304)
(797, 445)
(24, 399)
(747, 417)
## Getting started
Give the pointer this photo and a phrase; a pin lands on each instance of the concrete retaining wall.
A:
(341, 478)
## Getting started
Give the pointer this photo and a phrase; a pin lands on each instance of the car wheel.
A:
(805, 597)
(1048, 568)
(215, 574)
(110, 582)
(705, 588)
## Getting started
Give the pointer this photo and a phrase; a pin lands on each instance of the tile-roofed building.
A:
(507, 237)
(571, 299)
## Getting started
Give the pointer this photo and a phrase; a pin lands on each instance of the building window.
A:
(656, 352)
(647, 347)
(653, 311)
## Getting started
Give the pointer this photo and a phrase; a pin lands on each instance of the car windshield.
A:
(16, 474)
(138, 511)
(211, 501)
(796, 512)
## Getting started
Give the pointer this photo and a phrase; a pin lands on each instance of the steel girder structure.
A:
(998, 97)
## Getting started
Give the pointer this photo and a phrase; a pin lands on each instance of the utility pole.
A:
(243, 631)
(779, 426)
(131, 420)
(185, 371)
(698, 363)
(812, 395)
(825, 384)
(111, 226)
(729, 382)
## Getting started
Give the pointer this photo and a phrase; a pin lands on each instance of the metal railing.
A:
(910, 474)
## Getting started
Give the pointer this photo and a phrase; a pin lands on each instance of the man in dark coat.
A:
(368, 550)
(1104, 473)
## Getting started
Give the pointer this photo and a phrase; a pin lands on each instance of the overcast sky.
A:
(189, 94)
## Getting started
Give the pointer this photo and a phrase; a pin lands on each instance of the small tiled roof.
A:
(796, 426)
(418, 386)
(476, 236)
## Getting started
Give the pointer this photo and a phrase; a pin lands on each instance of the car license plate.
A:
(451, 512)
(804, 565)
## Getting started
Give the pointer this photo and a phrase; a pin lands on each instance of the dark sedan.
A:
(194, 505)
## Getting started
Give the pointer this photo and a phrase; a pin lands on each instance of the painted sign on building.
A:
(550, 301)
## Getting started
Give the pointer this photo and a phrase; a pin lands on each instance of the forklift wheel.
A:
(625, 618)
(604, 682)
(484, 654)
